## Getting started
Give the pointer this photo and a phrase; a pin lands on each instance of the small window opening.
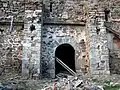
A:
(98, 30)
(32, 27)
(1, 30)
(51, 5)
(107, 11)
(32, 37)
(98, 47)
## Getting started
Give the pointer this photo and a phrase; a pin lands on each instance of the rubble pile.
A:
(62, 82)
(68, 82)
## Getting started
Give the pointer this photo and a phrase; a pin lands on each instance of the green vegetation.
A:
(110, 86)
(116, 87)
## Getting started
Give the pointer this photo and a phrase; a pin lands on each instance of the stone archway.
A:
(66, 53)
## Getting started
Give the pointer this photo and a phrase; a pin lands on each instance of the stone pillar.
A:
(99, 54)
(31, 44)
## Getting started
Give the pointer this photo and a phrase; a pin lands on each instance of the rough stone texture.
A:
(11, 8)
(11, 49)
(59, 22)
(69, 11)
(112, 5)
(114, 61)
(16, 8)
(99, 56)
(116, 26)
(52, 37)
(19, 43)
(65, 15)
(113, 41)
(31, 44)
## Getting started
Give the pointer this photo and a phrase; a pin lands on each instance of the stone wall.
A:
(112, 5)
(31, 43)
(114, 61)
(62, 24)
(11, 35)
(11, 49)
(16, 8)
(69, 11)
(59, 21)
(99, 56)
(52, 37)
(12, 8)
(114, 17)
(18, 42)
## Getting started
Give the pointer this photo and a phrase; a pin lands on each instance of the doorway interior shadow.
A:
(66, 53)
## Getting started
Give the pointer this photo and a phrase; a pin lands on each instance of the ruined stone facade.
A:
(29, 42)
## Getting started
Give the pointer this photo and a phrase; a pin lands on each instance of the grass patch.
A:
(116, 87)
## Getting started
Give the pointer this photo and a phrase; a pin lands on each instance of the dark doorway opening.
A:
(66, 53)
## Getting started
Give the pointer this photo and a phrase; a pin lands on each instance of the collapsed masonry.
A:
(80, 33)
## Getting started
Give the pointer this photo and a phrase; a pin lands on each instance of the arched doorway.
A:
(66, 53)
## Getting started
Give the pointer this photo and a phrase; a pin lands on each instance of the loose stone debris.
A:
(62, 81)
(73, 83)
